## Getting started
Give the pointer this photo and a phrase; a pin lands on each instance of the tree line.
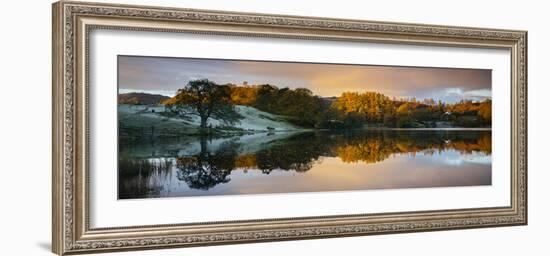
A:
(350, 110)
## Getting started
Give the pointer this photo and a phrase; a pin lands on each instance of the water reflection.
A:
(294, 162)
(207, 169)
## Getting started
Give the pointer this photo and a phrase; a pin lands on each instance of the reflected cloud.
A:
(308, 161)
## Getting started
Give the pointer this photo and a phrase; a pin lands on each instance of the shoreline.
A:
(433, 129)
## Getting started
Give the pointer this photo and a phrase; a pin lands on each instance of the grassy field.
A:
(152, 120)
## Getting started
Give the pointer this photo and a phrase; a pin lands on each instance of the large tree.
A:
(204, 99)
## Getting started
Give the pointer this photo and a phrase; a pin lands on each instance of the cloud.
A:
(329, 80)
(448, 84)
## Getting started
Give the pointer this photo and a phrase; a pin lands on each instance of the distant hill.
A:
(138, 98)
(329, 100)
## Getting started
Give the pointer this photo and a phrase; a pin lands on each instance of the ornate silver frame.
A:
(72, 22)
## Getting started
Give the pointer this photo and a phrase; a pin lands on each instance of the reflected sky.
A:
(310, 162)
(448, 168)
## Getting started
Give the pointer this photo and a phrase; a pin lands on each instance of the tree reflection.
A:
(378, 146)
(207, 169)
(299, 153)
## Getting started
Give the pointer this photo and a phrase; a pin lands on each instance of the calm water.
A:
(304, 162)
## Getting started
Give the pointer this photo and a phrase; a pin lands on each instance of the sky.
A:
(161, 75)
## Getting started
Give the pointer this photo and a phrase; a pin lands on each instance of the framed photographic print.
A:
(179, 127)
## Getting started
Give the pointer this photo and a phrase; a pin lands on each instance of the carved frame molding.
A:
(72, 23)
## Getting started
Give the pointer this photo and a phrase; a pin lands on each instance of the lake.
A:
(307, 161)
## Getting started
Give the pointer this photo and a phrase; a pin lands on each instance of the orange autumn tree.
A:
(485, 111)
(243, 95)
(370, 105)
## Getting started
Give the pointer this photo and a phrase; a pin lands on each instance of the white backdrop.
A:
(25, 130)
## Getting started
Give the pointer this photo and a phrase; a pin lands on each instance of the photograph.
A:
(187, 126)
(205, 127)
